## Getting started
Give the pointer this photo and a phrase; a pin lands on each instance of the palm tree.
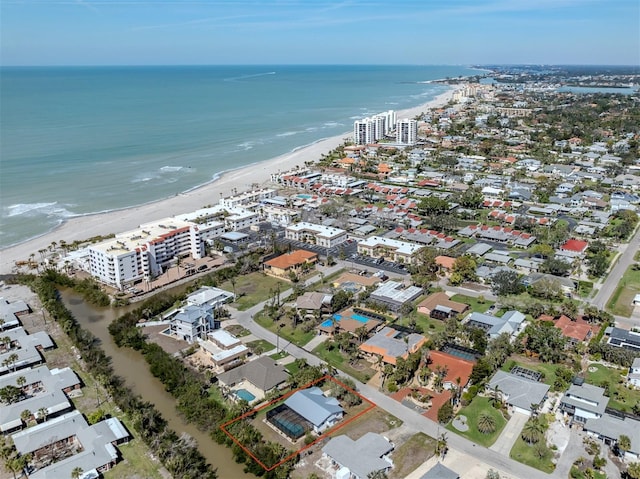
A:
(76, 473)
(441, 445)
(25, 416)
(532, 431)
(624, 444)
(496, 397)
(633, 470)
(21, 381)
(42, 414)
(486, 423)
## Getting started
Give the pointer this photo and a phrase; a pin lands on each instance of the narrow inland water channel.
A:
(132, 367)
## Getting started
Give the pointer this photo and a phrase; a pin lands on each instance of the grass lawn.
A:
(136, 462)
(280, 355)
(287, 332)
(576, 473)
(585, 288)
(362, 371)
(472, 413)
(253, 288)
(292, 367)
(473, 303)
(423, 322)
(260, 345)
(621, 301)
(237, 330)
(414, 452)
(620, 397)
(524, 453)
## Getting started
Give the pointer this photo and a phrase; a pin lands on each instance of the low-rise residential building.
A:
(391, 344)
(296, 262)
(395, 294)
(439, 306)
(41, 379)
(575, 330)
(390, 249)
(623, 338)
(259, 376)
(53, 402)
(90, 448)
(609, 428)
(191, 322)
(210, 297)
(311, 302)
(512, 323)
(439, 471)
(225, 349)
(583, 402)
(456, 370)
(633, 377)
(517, 391)
(312, 405)
(318, 235)
(10, 313)
(359, 459)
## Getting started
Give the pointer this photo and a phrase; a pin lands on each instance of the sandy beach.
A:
(84, 227)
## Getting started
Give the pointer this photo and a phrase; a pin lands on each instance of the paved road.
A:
(628, 251)
(408, 416)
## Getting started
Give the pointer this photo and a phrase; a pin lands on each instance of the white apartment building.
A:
(144, 252)
(363, 132)
(217, 220)
(407, 132)
(371, 129)
(279, 214)
(387, 248)
(247, 198)
(320, 235)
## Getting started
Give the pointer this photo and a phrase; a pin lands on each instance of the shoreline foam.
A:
(124, 219)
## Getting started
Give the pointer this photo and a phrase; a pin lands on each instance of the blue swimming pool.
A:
(338, 317)
(304, 196)
(244, 394)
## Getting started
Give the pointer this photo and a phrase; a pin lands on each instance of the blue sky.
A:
(166, 32)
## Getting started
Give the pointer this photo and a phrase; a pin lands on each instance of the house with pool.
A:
(253, 380)
(350, 321)
(391, 344)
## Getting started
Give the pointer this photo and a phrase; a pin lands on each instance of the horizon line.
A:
(463, 65)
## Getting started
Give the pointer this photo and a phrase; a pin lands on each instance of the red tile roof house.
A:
(575, 246)
(576, 331)
(455, 368)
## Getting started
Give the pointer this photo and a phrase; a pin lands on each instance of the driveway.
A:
(509, 434)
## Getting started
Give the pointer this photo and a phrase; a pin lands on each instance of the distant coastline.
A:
(115, 221)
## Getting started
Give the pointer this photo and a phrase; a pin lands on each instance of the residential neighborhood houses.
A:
(454, 269)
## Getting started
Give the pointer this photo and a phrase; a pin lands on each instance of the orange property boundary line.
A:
(281, 398)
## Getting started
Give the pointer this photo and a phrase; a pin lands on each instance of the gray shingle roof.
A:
(313, 405)
(361, 457)
(586, 397)
(264, 373)
(519, 391)
(440, 472)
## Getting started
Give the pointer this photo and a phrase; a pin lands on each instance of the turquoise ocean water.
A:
(81, 140)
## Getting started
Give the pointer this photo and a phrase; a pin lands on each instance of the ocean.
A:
(82, 140)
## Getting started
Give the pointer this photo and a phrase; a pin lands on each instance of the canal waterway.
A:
(132, 367)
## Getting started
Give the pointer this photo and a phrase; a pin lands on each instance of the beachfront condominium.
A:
(145, 252)
(371, 129)
(320, 235)
(407, 132)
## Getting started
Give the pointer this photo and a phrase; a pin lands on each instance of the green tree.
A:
(556, 267)
(633, 470)
(545, 340)
(76, 473)
(624, 444)
(445, 413)
(486, 423)
(533, 431)
(463, 270)
(506, 282)
(433, 205)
